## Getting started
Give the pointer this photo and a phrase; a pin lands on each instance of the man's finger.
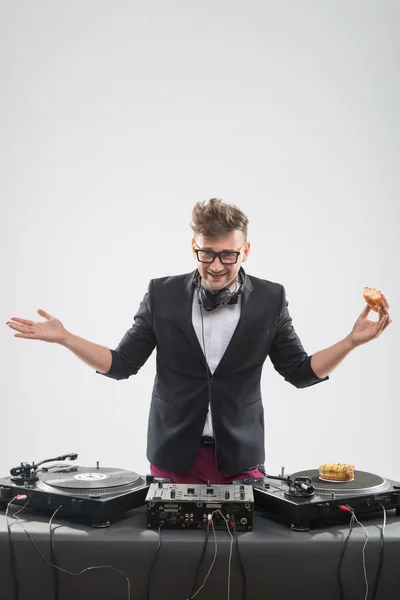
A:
(43, 313)
(23, 335)
(19, 327)
(18, 320)
(389, 320)
(381, 324)
(385, 300)
(365, 312)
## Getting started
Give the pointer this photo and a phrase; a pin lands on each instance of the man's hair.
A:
(213, 218)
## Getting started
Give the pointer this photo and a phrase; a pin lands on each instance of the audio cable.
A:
(19, 522)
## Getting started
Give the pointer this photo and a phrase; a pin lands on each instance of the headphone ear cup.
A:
(210, 301)
(205, 299)
(222, 297)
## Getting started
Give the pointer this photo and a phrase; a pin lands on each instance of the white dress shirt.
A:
(219, 325)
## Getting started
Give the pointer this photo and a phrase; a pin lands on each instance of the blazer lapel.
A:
(186, 321)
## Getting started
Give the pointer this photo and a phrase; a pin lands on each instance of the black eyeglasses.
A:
(226, 257)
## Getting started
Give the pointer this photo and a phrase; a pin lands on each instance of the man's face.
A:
(217, 275)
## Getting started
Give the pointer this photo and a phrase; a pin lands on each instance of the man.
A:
(213, 329)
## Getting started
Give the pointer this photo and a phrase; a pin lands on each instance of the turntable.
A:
(98, 495)
(302, 500)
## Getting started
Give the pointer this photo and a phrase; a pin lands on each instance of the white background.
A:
(116, 117)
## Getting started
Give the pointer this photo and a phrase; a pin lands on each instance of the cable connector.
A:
(344, 508)
(20, 497)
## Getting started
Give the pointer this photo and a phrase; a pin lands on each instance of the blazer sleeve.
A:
(287, 353)
(137, 344)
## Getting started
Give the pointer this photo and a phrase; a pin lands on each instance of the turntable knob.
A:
(172, 494)
(324, 509)
(77, 504)
(4, 492)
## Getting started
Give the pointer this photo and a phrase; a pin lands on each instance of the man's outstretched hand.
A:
(365, 330)
(49, 330)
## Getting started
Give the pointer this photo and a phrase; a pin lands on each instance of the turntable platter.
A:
(363, 483)
(91, 478)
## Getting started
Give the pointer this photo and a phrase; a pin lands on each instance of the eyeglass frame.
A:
(206, 262)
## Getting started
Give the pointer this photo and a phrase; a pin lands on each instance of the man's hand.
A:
(50, 330)
(365, 330)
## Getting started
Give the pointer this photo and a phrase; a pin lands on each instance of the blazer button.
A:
(213, 380)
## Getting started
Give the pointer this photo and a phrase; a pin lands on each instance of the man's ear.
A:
(246, 252)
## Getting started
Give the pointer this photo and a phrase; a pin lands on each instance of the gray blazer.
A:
(182, 387)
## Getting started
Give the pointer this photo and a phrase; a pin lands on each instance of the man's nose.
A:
(217, 265)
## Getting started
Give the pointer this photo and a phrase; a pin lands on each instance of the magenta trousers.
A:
(203, 470)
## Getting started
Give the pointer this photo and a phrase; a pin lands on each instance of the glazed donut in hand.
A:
(375, 299)
(337, 472)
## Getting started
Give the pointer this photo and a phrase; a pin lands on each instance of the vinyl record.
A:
(91, 478)
(363, 482)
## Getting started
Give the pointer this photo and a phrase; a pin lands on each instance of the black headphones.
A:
(210, 301)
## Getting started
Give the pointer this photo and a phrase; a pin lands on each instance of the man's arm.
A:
(325, 361)
(137, 344)
(53, 331)
(287, 353)
(97, 357)
(131, 353)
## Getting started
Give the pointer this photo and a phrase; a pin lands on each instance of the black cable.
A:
(55, 571)
(244, 581)
(12, 557)
(20, 523)
(200, 561)
(56, 583)
(215, 437)
(378, 573)
(341, 592)
(156, 554)
(209, 393)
